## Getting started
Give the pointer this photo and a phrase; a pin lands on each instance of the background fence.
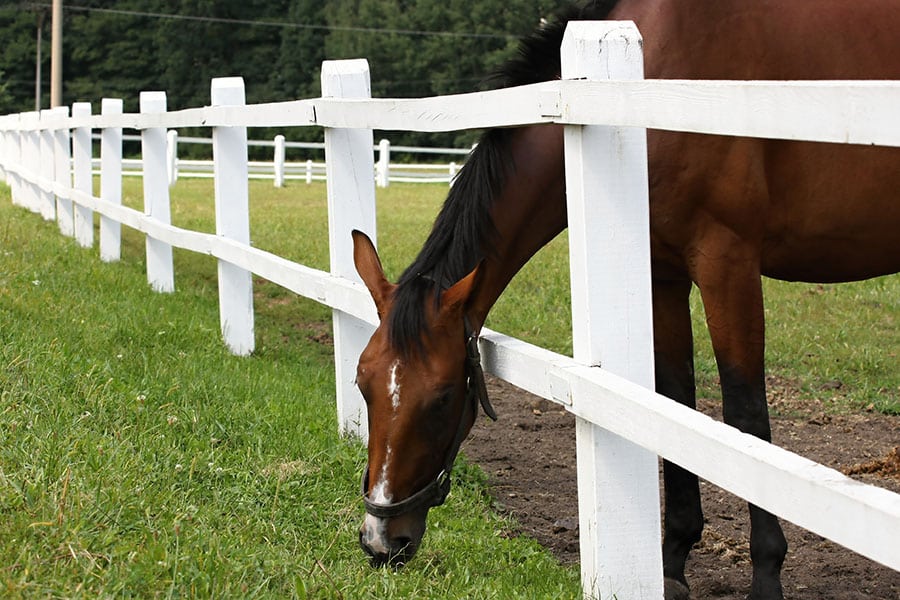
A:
(622, 425)
(280, 169)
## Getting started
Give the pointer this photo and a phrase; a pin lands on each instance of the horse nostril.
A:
(401, 544)
(402, 550)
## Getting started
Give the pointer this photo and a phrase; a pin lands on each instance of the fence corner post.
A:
(233, 219)
(110, 181)
(607, 189)
(160, 268)
(82, 176)
(350, 165)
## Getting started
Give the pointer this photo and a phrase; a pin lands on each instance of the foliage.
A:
(18, 29)
(117, 48)
(5, 97)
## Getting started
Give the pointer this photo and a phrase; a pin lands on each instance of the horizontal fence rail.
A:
(39, 152)
(279, 169)
(857, 112)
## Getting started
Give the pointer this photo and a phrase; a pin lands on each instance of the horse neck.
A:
(528, 212)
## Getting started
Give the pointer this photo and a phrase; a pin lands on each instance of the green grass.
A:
(137, 457)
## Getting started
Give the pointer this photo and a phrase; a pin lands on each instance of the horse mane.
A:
(462, 235)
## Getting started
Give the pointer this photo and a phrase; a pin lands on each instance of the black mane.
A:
(463, 232)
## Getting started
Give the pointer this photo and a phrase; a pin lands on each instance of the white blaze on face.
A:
(380, 493)
(394, 385)
(376, 527)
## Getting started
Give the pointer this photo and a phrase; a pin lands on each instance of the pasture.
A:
(139, 456)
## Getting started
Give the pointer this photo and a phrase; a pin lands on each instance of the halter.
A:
(435, 493)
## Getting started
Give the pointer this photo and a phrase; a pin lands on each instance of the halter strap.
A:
(474, 372)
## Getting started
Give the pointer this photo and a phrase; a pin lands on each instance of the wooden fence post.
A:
(172, 156)
(110, 181)
(606, 176)
(233, 219)
(82, 176)
(278, 161)
(62, 174)
(384, 164)
(5, 147)
(44, 166)
(350, 165)
(31, 160)
(160, 269)
(15, 141)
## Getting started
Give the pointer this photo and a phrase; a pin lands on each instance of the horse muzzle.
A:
(391, 542)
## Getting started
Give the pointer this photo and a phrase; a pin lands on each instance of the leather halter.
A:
(435, 493)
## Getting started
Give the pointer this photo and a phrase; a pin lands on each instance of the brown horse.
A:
(724, 212)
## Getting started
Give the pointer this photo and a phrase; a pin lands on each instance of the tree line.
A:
(117, 48)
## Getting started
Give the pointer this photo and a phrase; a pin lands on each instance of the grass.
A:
(138, 458)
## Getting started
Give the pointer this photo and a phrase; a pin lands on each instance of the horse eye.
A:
(444, 397)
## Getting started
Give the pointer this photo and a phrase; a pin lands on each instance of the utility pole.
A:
(37, 59)
(56, 56)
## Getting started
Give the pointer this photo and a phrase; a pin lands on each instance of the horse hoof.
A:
(675, 590)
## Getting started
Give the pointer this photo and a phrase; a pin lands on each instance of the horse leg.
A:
(729, 282)
(674, 359)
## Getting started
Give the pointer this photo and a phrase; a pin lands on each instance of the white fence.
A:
(622, 424)
(280, 170)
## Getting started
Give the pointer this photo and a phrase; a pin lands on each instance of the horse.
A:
(724, 211)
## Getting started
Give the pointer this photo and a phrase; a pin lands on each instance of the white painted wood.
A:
(350, 165)
(12, 157)
(609, 254)
(82, 175)
(110, 182)
(383, 170)
(172, 156)
(233, 219)
(811, 495)
(859, 112)
(5, 136)
(339, 293)
(32, 162)
(278, 161)
(160, 269)
(45, 168)
(62, 176)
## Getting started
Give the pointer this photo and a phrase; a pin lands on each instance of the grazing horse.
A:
(723, 212)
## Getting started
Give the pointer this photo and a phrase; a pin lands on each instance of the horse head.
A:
(421, 402)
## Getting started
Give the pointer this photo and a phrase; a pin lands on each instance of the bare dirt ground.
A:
(529, 455)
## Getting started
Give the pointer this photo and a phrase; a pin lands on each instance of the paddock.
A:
(622, 416)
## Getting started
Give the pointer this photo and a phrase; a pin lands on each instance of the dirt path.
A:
(530, 457)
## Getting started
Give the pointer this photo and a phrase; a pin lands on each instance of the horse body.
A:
(723, 212)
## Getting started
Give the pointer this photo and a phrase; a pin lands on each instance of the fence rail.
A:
(615, 408)
(279, 169)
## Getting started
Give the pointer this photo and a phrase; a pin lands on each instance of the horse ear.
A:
(368, 265)
(456, 296)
